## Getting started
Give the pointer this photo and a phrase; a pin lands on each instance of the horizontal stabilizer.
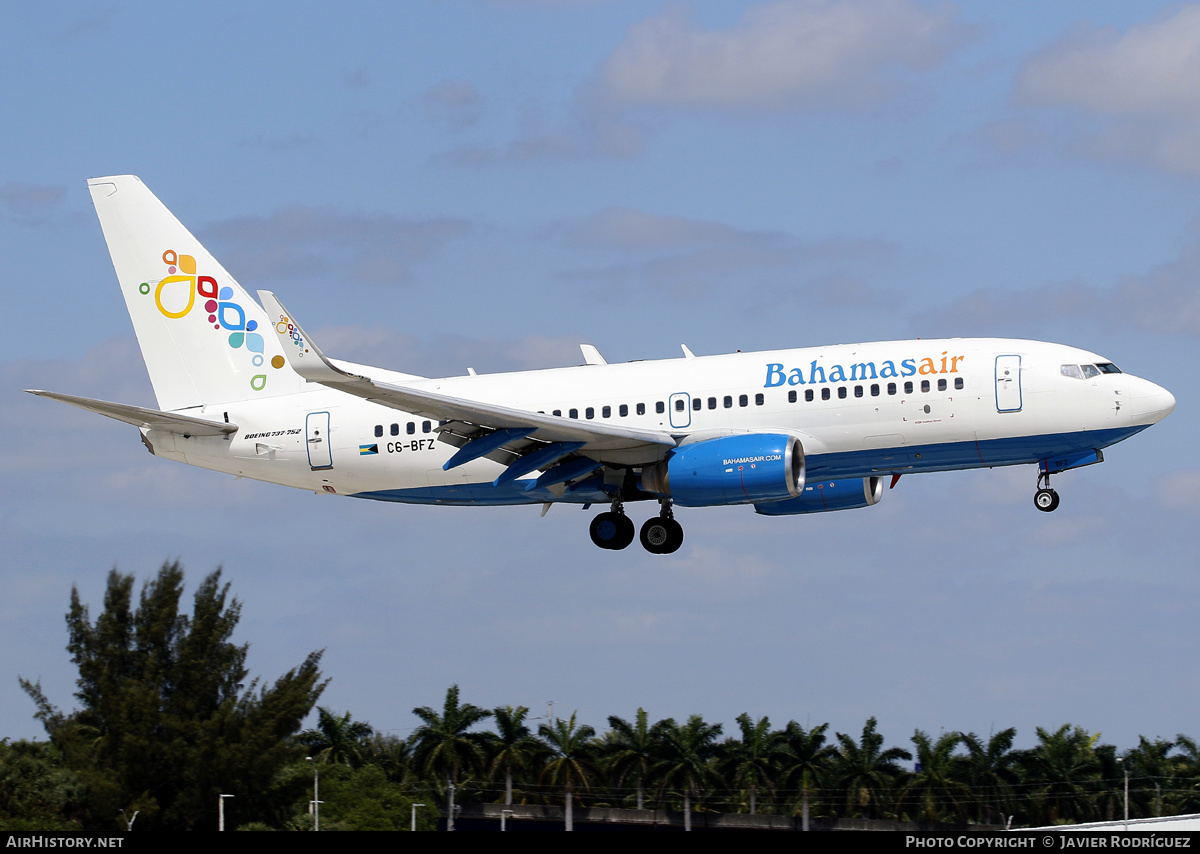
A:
(151, 419)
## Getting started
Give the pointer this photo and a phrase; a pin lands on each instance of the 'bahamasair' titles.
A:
(778, 374)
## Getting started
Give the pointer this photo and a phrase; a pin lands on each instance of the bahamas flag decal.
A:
(367, 450)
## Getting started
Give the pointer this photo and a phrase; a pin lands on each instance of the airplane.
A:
(243, 389)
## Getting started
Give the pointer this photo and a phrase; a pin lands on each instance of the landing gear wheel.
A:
(1045, 500)
(661, 535)
(612, 531)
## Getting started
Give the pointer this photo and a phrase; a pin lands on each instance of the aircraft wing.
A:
(510, 433)
(151, 419)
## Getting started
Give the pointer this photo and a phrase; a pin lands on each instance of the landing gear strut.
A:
(612, 530)
(1045, 499)
(662, 535)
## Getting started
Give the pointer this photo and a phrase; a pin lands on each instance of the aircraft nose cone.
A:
(1153, 403)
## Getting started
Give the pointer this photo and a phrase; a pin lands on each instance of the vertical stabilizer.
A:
(204, 340)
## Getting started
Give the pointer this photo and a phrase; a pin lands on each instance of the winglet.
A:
(591, 355)
(687, 354)
(302, 353)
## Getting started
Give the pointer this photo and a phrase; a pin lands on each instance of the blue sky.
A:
(432, 186)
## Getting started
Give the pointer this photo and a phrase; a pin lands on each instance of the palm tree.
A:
(755, 759)
(1062, 772)
(443, 746)
(632, 748)
(513, 746)
(337, 740)
(991, 770)
(936, 786)
(865, 771)
(573, 758)
(807, 761)
(690, 753)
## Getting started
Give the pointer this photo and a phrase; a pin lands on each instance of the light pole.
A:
(504, 814)
(316, 801)
(414, 816)
(129, 821)
(221, 811)
(1125, 767)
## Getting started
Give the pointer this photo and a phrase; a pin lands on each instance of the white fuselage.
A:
(858, 410)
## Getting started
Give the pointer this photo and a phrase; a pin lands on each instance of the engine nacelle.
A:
(741, 469)
(828, 495)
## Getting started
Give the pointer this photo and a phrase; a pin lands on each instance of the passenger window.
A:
(589, 413)
(660, 407)
(958, 382)
(942, 385)
(574, 413)
(411, 427)
(697, 403)
(908, 387)
(874, 389)
(624, 410)
(841, 392)
(924, 385)
(808, 395)
(680, 405)
(712, 403)
(825, 393)
(378, 430)
(641, 409)
(606, 412)
(425, 426)
(558, 412)
(743, 400)
(891, 388)
(729, 401)
(858, 391)
(792, 396)
(395, 429)
(759, 400)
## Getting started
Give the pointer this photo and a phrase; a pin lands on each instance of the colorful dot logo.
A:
(176, 295)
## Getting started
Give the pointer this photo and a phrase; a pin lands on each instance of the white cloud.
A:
(1142, 85)
(792, 53)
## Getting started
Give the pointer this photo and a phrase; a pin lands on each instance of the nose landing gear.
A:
(1045, 499)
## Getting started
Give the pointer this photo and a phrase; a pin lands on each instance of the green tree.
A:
(991, 771)
(513, 747)
(754, 760)
(867, 773)
(689, 761)
(936, 791)
(1061, 773)
(572, 759)
(337, 740)
(443, 746)
(631, 749)
(167, 720)
(807, 761)
(37, 792)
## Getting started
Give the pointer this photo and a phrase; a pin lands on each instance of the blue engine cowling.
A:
(730, 470)
(828, 495)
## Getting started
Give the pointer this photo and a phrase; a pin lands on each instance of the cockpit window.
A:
(1090, 371)
(1071, 371)
(1108, 368)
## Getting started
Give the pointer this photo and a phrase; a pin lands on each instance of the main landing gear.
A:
(660, 535)
(1045, 499)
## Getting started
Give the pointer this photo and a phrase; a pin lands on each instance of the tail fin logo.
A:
(175, 296)
(286, 327)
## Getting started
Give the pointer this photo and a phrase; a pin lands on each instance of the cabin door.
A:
(320, 451)
(1008, 383)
